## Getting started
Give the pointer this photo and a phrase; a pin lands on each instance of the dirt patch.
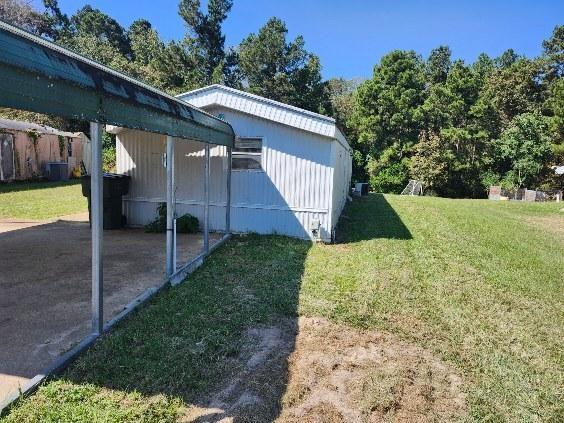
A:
(339, 374)
(334, 374)
(253, 393)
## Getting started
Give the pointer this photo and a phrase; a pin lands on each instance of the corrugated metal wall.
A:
(293, 189)
(342, 165)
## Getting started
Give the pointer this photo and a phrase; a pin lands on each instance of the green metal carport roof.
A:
(40, 76)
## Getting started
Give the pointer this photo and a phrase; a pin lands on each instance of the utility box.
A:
(58, 171)
(360, 189)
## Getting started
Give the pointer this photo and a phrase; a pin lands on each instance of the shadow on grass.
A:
(370, 217)
(219, 342)
(33, 185)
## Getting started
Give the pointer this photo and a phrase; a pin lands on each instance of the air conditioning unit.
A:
(360, 189)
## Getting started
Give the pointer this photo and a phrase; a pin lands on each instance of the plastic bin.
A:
(114, 188)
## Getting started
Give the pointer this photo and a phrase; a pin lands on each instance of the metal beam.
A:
(207, 199)
(170, 206)
(96, 219)
(43, 77)
(228, 194)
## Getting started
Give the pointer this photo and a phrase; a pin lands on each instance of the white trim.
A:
(255, 97)
(223, 204)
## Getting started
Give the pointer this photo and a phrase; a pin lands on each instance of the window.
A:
(247, 153)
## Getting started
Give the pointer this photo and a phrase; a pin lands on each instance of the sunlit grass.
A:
(41, 200)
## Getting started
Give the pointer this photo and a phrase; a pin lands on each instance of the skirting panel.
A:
(298, 224)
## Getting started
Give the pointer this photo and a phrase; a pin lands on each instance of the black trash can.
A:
(114, 187)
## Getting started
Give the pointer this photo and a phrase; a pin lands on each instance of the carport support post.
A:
(207, 200)
(170, 206)
(96, 219)
(228, 195)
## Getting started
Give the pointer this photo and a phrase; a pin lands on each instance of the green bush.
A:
(185, 224)
(392, 179)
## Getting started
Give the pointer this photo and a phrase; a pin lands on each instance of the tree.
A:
(284, 71)
(390, 172)
(524, 148)
(146, 46)
(515, 89)
(22, 14)
(339, 103)
(92, 24)
(430, 162)
(385, 109)
(57, 22)
(387, 118)
(507, 59)
(483, 67)
(438, 64)
(556, 102)
(554, 53)
(205, 36)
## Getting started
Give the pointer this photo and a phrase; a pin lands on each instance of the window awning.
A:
(40, 76)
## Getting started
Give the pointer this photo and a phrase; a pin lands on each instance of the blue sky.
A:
(350, 36)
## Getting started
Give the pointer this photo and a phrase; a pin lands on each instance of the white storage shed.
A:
(290, 171)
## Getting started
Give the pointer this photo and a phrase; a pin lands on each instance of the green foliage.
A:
(62, 145)
(523, 148)
(205, 36)
(457, 111)
(386, 117)
(515, 89)
(438, 65)
(390, 173)
(556, 104)
(284, 71)
(554, 53)
(430, 162)
(93, 23)
(108, 152)
(386, 106)
(185, 224)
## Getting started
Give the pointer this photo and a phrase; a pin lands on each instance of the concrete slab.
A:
(45, 286)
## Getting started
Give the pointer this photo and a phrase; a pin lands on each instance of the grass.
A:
(41, 200)
(478, 284)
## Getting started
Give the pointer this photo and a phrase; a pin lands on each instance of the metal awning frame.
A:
(39, 76)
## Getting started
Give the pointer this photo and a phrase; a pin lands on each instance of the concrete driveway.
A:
(45, 282)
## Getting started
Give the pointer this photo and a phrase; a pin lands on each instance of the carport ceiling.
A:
(40, 76)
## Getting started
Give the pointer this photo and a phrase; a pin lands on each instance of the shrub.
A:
(185, 224)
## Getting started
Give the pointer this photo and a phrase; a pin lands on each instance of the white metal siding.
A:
(293, 190)
(342, 168)
(141, 155)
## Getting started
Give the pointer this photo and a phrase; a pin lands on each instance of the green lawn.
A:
(479, 284)
(41, 200)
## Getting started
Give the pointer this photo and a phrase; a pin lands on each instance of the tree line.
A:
(461, 128)
(457, 127)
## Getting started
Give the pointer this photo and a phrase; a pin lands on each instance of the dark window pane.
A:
(251, 145)
(243, 161)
